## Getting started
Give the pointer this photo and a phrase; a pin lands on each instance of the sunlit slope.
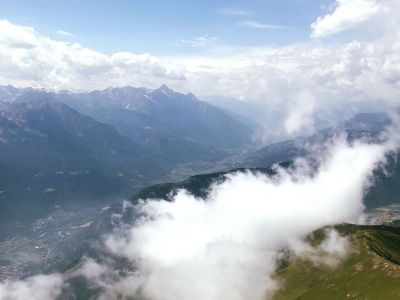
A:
(371, 270)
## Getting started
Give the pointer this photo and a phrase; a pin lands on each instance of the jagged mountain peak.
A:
(165, 90)
(136, 110)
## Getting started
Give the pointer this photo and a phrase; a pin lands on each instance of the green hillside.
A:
(371, 270)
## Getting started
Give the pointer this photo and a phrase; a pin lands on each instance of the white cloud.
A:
(40, 287)
(27, 58)
(258, 25)
(278, 78)
(335, 244)
(90, 269)
(201, 41)
(65, 33)
(227, 246)
(347, 15)
(333, 249)
(234, 12)
(302, 115)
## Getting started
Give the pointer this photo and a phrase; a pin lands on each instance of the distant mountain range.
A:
(271, 118)
(50, 154)
(64, 148)
(145, 115)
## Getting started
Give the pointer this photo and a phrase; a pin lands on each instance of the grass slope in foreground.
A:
(370, 271)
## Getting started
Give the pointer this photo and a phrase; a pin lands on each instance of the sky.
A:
(166, 27)
(296, 57)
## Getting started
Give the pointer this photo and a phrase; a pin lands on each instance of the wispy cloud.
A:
(65, 33)
(201, 41)
(234, 12)
(258, 25)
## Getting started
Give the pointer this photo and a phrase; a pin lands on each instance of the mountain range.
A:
(63, 151)
(60, 149)
(93, 148)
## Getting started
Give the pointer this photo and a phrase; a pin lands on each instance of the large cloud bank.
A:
(228, 245)
(28, 58)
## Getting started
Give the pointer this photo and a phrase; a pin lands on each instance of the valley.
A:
(38, 249)
(81, 168)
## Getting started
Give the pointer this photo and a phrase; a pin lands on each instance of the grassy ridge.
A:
(371, 270)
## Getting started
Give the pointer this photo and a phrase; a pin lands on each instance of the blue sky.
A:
(167, 27)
